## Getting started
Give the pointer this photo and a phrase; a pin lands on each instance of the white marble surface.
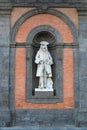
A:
(43, 90)
(44, 61)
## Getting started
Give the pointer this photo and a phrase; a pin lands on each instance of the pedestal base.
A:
(44, 93)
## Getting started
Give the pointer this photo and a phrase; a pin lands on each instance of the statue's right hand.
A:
(41, 62)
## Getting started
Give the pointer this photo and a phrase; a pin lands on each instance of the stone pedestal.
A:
(44, 93)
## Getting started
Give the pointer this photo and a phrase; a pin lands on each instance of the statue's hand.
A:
(41, 62)
(48, 63)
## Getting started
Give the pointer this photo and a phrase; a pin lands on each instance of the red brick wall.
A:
(20, 62)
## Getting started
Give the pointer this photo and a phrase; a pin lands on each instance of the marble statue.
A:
(44, 61)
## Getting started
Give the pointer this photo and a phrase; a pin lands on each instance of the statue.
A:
(44, 61)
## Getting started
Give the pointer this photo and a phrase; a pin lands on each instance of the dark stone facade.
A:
(4, 68)
(8, 115)
(44, 117)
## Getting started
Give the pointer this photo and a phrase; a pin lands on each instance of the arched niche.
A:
(51, 35)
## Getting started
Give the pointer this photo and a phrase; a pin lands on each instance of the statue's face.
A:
(44, 47)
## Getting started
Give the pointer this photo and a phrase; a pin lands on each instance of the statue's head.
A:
(44, 45)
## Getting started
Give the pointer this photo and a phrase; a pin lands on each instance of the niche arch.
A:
(31, 13)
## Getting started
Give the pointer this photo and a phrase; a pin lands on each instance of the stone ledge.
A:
(43, 90)
(43, 4)
(44, 93)
(43, 128)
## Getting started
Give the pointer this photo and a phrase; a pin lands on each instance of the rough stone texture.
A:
(44, 117)
(4, 86)
(4, 70)
(37, 127)
(4, 29)
(82, 115)
(44, 4)
(43, 94)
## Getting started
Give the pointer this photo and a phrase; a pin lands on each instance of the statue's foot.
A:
(49, 87)
(40, 87)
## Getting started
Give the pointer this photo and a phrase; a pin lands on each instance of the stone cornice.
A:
(45, 4)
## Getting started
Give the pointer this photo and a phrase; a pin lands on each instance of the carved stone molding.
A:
(44, 4)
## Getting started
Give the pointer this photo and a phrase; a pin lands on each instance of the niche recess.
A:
(43, 33)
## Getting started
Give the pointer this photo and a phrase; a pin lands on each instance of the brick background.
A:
(71, 13)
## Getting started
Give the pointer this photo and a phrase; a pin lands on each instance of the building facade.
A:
(23, 24)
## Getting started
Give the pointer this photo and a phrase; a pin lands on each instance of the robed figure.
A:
(44, 61)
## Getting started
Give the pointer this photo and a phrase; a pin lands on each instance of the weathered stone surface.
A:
(44, 117)
(37, 127)
(4, 69)
(44, 93)
(44, 4)
(4, 29)
(4, 76)
(82, 118)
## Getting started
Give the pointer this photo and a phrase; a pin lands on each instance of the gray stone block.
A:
(4, 116)
(44, 117)
(82, 106)
(82, 118)
(46, 1)
(44, 93)
(4, 87)
(4, 67)
(18, 1)
(4, 29)
(4, 1)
